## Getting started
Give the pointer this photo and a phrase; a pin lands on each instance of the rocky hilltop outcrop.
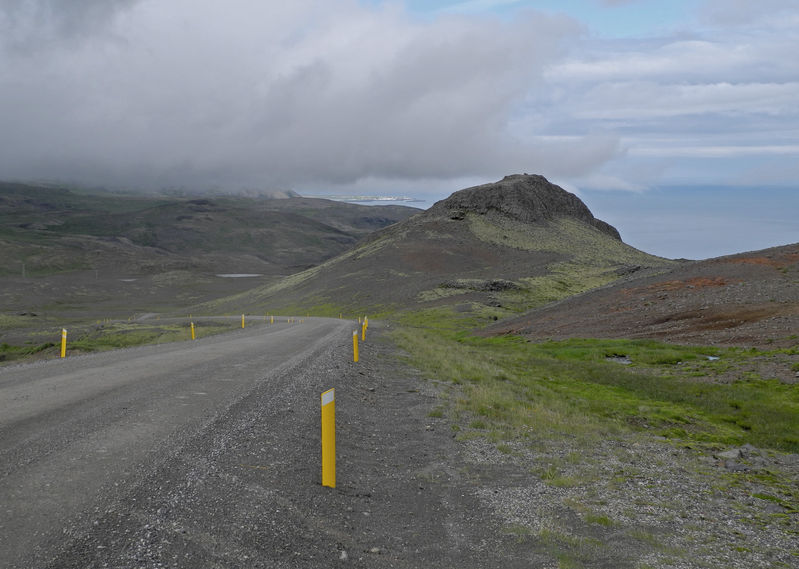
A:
(529, 198)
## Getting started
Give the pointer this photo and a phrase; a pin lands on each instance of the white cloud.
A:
(706, 104)
(723, 59)
(710, 151)
(643, 100)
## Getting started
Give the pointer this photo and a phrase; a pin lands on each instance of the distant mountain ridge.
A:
(66, 246)
(257, 234)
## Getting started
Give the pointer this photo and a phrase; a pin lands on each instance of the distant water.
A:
(374, 200)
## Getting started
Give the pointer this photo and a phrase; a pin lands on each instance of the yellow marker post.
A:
(242, 321)
(363, 331)
(193, 337)
(271, 319)
(355, 345)
(329, 438)
(63, 342)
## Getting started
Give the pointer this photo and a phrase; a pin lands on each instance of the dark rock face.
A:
(528, 198)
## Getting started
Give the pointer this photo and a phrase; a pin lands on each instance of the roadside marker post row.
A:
(329, 419)
(364, 325)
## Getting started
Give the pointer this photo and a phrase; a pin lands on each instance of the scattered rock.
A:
(627, 270)
(734, 466)
(482, 285)
(729, 454)
(749, 449)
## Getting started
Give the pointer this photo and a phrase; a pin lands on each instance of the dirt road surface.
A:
(206, 454)
(78, 434)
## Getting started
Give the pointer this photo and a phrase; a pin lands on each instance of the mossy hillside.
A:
(561, 281)
(281, 294)
(593, 259)
(583, 243)
(570, 388)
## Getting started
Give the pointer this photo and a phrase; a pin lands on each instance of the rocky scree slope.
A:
(748, 299)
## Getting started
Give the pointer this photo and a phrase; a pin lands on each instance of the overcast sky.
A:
(678, 121)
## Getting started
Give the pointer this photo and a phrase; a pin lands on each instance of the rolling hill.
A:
(70, 250)
(503, 247)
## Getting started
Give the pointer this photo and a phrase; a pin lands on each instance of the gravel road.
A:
(79, 435)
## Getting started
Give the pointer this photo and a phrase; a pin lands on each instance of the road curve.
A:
(76, 432)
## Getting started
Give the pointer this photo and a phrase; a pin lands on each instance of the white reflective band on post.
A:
(328, 396)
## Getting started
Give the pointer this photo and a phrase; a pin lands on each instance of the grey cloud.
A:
(34, 25)
(251, 93)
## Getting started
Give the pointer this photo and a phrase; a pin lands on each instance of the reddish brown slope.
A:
(749, 299)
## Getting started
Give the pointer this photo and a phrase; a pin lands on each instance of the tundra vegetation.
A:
(515, 388)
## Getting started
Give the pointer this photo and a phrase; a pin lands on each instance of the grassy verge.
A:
(112, 336)
(577, 388)
(126, 335)
(9, 352)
